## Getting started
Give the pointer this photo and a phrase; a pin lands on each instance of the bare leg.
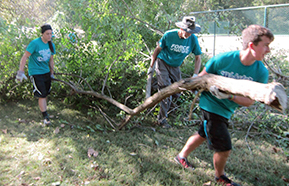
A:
(193, 142)
(42, 102)
(220, 159)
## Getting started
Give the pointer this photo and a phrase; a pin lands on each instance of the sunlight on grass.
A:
(36, 155)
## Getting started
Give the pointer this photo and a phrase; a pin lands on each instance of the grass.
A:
(32, 154)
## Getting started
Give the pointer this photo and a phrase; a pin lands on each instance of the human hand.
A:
(150, 70)
(52, 76)
(20, 76)
(218, 94)
(195, 75)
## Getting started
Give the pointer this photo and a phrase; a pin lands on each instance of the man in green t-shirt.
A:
(172, 49)
(217, 107)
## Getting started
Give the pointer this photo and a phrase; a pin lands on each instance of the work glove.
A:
(20, 76)
(52, 76)
(218, 94)
(150, 70)
(195, 75)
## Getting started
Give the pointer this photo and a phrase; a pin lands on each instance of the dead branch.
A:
(106, 117)
(272, 94)
(106, 77)
(274, 71)
(251, 127)
(96, 94)
(193, 103)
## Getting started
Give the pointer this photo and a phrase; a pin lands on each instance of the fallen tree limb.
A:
(275, 71)
(272, 94)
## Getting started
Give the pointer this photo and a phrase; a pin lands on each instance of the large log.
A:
(272, 94)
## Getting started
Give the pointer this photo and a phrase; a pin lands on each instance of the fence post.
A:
(265, 18)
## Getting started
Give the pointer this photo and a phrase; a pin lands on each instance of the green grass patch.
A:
(32, 154)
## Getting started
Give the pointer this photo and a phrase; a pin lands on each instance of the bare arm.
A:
(204, 72)
(23, 60)
(197, 64)
(155, 55)
(243, 101)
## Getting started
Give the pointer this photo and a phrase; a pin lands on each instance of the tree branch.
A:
(104, 82)
(274, 71)
(272, 94)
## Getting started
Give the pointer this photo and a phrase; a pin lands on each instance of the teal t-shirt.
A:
(40, 55)
(175, 50)
(229, 65)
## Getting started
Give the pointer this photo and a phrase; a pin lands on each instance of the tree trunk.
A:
(272, 94)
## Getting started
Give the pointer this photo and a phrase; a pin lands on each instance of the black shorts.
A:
(218, 136)
(41, 85)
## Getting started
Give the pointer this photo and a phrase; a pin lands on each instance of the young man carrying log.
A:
(217, 107)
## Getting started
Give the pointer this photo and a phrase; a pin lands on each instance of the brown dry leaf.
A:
(285, 179)
(62, 125)
(56, 130)
(209, 183)
(92, 152)
(275, 149)
(4, 131)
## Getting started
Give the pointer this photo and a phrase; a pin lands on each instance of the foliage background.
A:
(108, 43)
(111, 42)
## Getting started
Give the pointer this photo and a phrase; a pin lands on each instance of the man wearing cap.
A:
(40, 53)
(172, 49)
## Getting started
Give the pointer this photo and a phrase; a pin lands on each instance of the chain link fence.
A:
(222, 28)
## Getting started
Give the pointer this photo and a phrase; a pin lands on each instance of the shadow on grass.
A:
(34, 154)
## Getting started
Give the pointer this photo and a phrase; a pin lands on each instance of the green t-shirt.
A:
(39, 59)
(229, 65)
(175, 50)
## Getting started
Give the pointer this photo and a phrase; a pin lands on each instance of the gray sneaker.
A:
(46, 121)
(164, 124)
(184, 163)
